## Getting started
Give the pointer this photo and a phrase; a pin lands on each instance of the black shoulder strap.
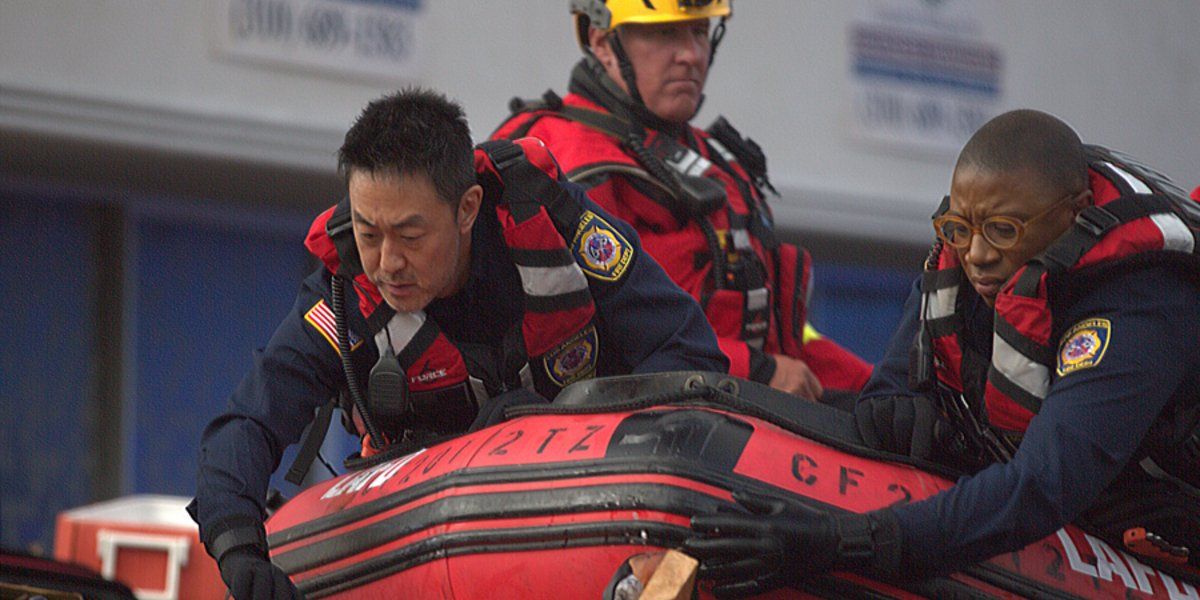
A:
(1100, 158)
(550, 102)
(340, 230)
(747, 152)
(527, 188)
(310, 445)
(1092, 224)
(943, 206)
(602, 122)
(518, 106)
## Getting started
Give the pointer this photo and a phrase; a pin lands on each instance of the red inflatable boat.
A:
(550, 503)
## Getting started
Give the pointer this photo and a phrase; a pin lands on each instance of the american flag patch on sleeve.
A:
(321, 318)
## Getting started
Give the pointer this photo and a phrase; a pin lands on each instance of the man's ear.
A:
(598, 42)
(468, 208)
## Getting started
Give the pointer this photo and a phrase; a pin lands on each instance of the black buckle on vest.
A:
(503, 153)
(552, 100)
(1096, 220)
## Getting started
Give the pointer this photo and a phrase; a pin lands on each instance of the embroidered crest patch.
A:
(601, 250)
(1083, 345)
(321, 319)
(574, 359)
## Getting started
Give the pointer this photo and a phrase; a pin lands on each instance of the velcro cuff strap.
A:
(885, 531)
(856, 545)
(238, 537)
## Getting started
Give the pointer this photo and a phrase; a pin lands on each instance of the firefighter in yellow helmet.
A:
(697, 197)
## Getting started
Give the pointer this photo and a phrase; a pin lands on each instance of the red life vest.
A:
(537, 218)
(1136, 212)
(756, 290)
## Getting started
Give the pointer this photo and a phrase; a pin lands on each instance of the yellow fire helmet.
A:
(608, 14)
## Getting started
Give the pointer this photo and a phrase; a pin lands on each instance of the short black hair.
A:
(411, 131)
(1029, 139)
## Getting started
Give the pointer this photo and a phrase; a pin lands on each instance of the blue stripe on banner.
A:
(413, 5)
(989, 87)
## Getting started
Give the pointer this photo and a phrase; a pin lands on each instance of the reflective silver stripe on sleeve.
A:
(552, 281)
(1028, 374)
(402, 327)
(756, 299)
(1176, 235)
(939, 303)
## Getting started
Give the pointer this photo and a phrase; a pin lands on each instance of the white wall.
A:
(1126, 74)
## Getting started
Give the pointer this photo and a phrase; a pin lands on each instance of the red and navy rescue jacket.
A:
(1137, 217)
(558, 246)
(558, 291)
(1076, 394)
(706, 221)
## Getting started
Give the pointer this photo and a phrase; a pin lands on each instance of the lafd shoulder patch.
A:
(1083, 345)
(601, 251)
(321, 319)
(573, 359)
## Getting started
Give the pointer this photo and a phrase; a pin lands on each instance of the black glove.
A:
(781, 541)
(900, 424)
(250, 576)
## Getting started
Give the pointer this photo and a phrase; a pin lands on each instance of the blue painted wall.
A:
(46, 298)
(859, 306)
(208, 293)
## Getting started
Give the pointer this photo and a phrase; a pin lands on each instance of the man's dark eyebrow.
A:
(358, 218)
(416, 220)
(411, 221)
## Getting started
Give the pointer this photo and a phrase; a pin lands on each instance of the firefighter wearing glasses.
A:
(1055, 338)
(696, 197)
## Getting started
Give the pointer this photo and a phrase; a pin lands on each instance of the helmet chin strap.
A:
(626, 66)
(592, 80)
(718, 34)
